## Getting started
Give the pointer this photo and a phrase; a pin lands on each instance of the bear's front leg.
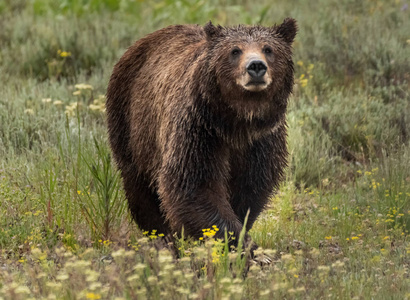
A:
(192, 182)
(256, 174)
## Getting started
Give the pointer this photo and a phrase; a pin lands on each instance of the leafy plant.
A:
(101, 201)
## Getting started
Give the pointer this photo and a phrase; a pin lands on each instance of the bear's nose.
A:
(256, 68)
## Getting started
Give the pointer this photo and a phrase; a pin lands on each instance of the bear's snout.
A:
(256, 69)
(255, 76)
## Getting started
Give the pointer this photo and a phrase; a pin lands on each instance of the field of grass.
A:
(337, 229)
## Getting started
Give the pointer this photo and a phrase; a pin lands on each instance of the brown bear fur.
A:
(197, 143)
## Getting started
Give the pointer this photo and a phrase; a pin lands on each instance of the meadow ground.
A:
(337, 229)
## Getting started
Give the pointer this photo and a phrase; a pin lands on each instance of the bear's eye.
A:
(236, 52)
(267, 50)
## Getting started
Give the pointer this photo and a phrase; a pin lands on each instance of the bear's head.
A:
(252, 62)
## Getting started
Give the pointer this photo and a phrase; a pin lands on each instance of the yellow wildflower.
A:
(303, 81)
(63, 53)
(83, 86)
(93, 296)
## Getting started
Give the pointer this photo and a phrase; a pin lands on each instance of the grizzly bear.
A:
(197, 126)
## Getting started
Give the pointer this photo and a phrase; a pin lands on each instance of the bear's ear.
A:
(212, 31)
(287, 30)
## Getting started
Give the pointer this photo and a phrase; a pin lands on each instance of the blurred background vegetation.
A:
(349, 121)
(352, 64)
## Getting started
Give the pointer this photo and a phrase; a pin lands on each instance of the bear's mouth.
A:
(255, 86)
(256, 83)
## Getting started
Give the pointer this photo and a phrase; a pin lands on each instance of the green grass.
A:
(337, 229)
